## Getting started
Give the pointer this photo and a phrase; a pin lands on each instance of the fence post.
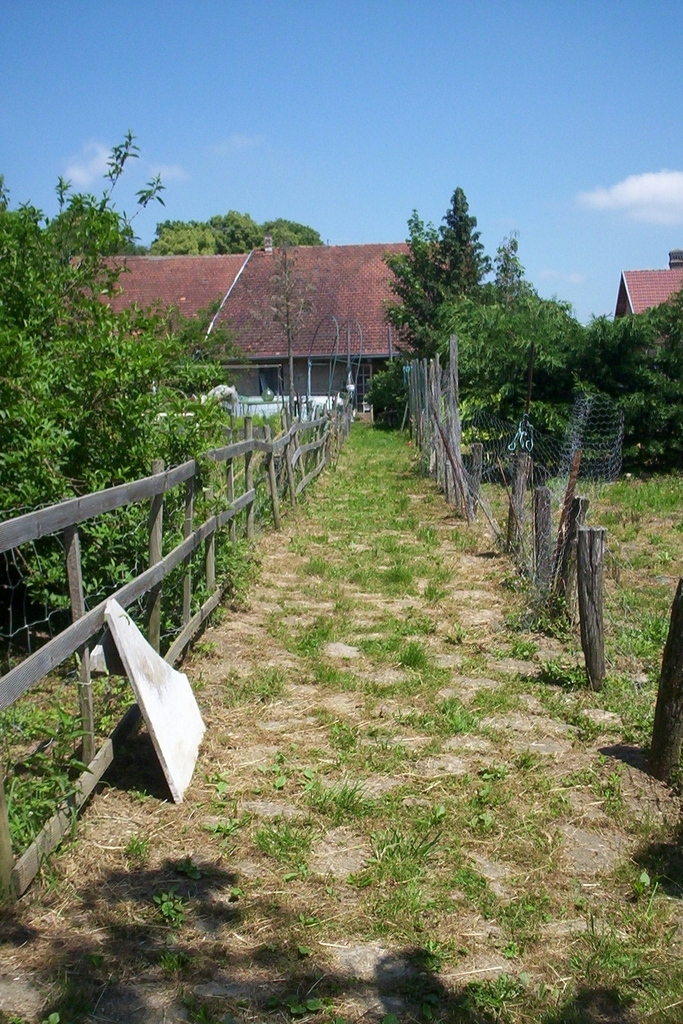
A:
(521, 468)
(187, 530)
(290, 471)
(72, 545)
(542, 539)
(249, 474)
(475, 476)
(566, 584)
(7, 892)
(590, 561)
(210, 551)
(156, 525)
(272, 481)
(667, 733)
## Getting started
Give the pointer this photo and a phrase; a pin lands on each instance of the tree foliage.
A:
(232, 232)
(82, 387)
(441, 266)
(637, 360)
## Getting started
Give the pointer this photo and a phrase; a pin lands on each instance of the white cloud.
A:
(89, 166)
(556, 275)
(655, 197)
(171, 172)
(238, 142)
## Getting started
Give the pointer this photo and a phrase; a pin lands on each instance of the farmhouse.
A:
(335, 296)
(641, 289)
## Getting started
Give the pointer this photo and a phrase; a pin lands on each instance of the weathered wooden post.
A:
(249, 474)
(566, 582)
(272, 483)
(667, 733)
(7, 892)
(521, 469)
(590, 563)
(210, 551)
(156, 525)
(475, 476)
(291, 482)
(230, 476)
(543, 558)
(187, 530)
(72, 546)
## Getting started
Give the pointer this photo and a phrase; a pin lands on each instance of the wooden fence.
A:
(565, 582)
(284, 466)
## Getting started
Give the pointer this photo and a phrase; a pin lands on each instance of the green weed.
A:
(171, 908)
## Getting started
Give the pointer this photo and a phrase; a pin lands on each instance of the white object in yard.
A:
(166, 700)
(222, 392)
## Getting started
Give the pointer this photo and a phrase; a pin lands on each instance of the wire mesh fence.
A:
(525, 482)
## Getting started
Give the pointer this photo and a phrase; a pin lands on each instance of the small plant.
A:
(343, 737)
(172, 961)
(188, 868)
(227, 828)
(137, 849)
(523, 649)
(170, 907)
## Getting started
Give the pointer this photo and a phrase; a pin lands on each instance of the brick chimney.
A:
(268, 244)
(676, 259)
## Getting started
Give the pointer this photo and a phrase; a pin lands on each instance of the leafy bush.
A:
(88, 397)
(388, 394)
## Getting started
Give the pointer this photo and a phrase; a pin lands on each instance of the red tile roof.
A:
(641, 289)
(189, 282)
(346, 283)
(347, 287)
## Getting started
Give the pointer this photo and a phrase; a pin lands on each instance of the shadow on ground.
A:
(131, 965)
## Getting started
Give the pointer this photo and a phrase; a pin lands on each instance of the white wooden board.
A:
(166, 701)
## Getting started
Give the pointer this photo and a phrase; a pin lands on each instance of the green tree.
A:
(231, 232)
(638, 361)
(464, 261)
(440, 266)
(184, 238)
(417, 284)
(236, 232)
(289, 232)
(82, 387)
(509, 280)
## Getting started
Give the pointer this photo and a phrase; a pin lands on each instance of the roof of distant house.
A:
(190, 283)
(345, 287)
(642, 289)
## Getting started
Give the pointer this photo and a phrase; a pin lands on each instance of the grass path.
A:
(397, 814)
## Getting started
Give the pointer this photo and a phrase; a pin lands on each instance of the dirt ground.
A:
(395, 815)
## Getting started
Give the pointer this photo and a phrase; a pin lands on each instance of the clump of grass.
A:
(312, 638)
(339, 802)
(402, 856)
(523, 649)
(397, 579)
(433, 593)
(263, 686)
(284, 841)
(137, 849)
(413, 655)
(449, 718)
(343, 737)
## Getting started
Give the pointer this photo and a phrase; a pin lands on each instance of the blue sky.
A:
(560, 120)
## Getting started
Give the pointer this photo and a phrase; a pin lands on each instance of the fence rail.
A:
(280, 458)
